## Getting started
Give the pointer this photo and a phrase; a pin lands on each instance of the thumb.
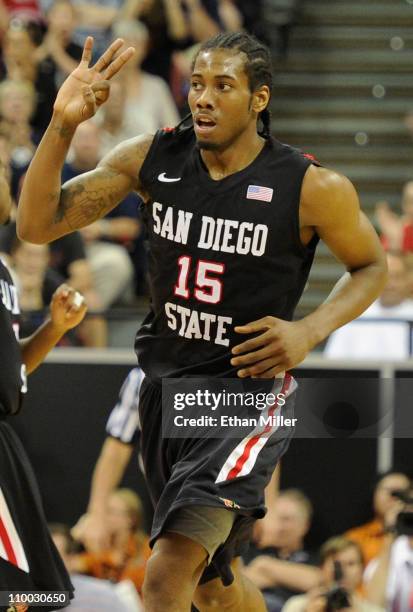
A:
(89, 100)
(101, 90)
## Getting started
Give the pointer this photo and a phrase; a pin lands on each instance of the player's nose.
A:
(205, 99)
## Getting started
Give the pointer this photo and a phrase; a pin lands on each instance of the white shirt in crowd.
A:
(369, 338)
(399, 588)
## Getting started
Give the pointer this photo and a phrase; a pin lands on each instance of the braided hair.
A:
(258, 65)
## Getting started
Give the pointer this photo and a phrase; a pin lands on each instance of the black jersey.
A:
(12, 371)
(221, 253)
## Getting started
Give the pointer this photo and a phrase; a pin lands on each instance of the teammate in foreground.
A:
(233, 218)
(28, 558)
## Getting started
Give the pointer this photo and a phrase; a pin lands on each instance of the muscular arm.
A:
(330, 206)
(48, 210)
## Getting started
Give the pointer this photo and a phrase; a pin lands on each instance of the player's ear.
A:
(260, 98)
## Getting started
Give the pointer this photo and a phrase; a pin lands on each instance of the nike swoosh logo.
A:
(165, 179)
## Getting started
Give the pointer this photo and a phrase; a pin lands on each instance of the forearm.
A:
(376, 586)
(108, 473)
(296, 576)
(175, 17)
(40, 194)
(37, 346)
(202, 26)
(350, 298)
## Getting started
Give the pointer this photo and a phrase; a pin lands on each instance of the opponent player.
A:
(29, 560)
(233, 218)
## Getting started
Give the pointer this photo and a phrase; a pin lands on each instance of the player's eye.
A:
(196, 85)
(224, 86)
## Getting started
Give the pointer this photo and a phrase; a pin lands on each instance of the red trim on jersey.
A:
(168, 129)
(251, 443)
(8, 547)
(311, 157)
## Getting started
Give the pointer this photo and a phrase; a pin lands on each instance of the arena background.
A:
(343, 94)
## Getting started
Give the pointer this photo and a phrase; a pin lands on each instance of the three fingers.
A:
(106, 62)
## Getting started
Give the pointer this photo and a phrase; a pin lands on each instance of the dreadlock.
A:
(258, 65)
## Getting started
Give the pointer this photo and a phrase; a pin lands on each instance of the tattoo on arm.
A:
(86, 200)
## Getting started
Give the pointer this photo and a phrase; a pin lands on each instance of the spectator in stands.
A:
(369, 338)
(110, 263)
(123, 433)
(91, 594)
(35, 282)
(278, 19)
(128, 551)
(57, 55)
(149, 104)
(173, 25)
(25, 10)
(230, 15)
(111, 119)
(284, 568)
(348, 555)
(389, 577)
(20, 62)
(371, 536)
(17, 102)
(397, 231)
(94, 18)
(68, 261)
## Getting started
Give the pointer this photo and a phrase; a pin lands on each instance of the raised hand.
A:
(87, 87)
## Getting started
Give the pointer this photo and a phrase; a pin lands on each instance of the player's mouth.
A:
(204, 124)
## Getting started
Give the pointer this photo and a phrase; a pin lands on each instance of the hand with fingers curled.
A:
(88, 87)
(67, 308)
(277, 346)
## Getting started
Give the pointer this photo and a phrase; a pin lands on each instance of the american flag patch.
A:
(255, 192)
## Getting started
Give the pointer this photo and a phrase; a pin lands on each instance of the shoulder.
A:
(324, 194)
(370, 529)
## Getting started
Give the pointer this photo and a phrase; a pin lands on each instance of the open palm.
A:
(87, 88)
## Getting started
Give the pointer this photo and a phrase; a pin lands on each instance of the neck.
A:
(237, 156)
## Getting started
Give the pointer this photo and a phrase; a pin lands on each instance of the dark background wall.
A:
(63, 427)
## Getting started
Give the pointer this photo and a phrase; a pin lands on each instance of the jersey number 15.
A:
(207, 288)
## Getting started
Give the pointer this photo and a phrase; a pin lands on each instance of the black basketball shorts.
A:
(29, 560)
(226, 472)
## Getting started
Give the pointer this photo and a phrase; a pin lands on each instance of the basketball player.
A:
(28, 558)
(233, 219)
